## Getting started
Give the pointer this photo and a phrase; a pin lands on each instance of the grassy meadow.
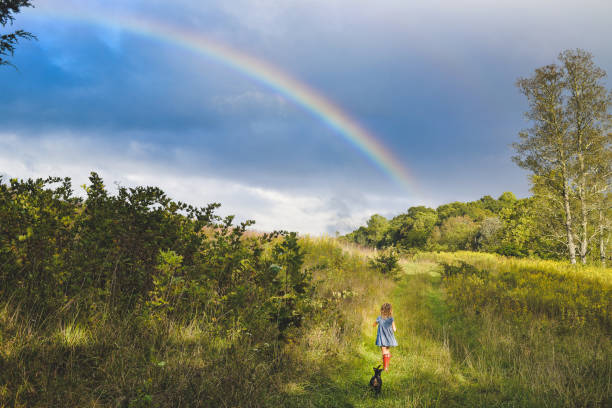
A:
(123, 297)
(451, 354)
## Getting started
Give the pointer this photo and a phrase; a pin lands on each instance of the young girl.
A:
(385, 337)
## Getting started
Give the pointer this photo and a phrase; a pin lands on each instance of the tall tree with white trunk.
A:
(568, 148)
(546, 148)
(588, 103)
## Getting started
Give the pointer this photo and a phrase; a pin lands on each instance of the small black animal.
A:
(376, 381)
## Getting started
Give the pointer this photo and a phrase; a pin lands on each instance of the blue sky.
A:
(434, 81)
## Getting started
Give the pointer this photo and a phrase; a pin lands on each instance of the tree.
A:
(507, 198)
(8, 42)
(455, 234)
(377, 226)
(488, 235)
(604, 211)
(412, 229)
(546, 148)
(602, 177)
(518, 228)
(587, 110)
(373, 234)
(568, 148)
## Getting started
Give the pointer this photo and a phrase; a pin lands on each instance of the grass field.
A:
(450, 354)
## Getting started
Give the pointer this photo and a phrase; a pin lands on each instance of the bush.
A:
(96, 253)
(134, 299)
(232, 336)
(386, 262)
(140, 252)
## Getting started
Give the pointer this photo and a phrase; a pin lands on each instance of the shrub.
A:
(138, 252)
(386, 262)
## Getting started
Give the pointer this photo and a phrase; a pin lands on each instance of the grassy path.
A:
(421, 371)
(457, 359)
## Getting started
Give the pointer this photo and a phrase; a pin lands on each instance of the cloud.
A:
(433, 80)
(250, 101)
(133, 163)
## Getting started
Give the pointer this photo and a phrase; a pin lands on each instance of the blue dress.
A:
(385, 336)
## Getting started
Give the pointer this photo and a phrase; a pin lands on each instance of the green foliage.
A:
(519, 229)
(507, 198)
(96, 253)
(451, 226)
(8, 42)
(567, 149)
(157, 295)
(456, 233)
(507, 225)
(411, 230)
(526, 230)
(293, 288)
(373, 234)
(200, 338)
(168, 283)
(488, 237)
(386, 262)
(139, 251)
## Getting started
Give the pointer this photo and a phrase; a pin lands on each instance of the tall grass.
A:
(574, 296)
(494, 262)
(450, 354)
(539, 329)
(180, 361)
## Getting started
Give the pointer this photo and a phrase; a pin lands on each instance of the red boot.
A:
(386, 358)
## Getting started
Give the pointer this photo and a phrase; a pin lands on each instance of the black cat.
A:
(376, 381)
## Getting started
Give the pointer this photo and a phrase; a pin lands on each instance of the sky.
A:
(433, 82)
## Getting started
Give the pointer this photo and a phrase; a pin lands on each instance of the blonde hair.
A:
(386, 310)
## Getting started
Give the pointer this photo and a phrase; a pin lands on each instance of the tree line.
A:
(505, 225)
(568, 151)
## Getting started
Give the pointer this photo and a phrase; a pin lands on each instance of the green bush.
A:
(386, 262)
(138, 251)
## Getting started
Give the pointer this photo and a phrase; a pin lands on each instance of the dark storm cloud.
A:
(434, 81)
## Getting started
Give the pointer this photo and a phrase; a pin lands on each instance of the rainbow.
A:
(258, 70)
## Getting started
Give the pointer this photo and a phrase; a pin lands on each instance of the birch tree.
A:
(568, 148)
(546, 148)
(587, 113)
(602, 185)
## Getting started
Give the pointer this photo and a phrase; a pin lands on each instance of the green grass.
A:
(455, 359)
(421, 372)
(447, 356)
